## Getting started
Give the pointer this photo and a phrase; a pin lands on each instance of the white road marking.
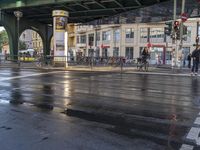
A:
(186, 147)
(30, 75)
(194, 135)
(197, 121)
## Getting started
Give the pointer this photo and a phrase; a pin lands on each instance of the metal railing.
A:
(61, 61)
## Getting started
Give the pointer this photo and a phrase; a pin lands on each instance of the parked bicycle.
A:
(142, 63)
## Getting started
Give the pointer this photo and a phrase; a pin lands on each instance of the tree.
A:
(3, 38)
(22, 45)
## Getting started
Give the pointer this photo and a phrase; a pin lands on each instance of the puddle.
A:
(4, 101)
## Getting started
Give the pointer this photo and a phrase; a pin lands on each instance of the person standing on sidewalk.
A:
(195, 56)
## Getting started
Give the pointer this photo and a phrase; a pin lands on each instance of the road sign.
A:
(184, 17)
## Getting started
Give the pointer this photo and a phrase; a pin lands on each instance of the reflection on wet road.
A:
(157, 108)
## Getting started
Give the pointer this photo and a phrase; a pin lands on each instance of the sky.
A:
(2, 28)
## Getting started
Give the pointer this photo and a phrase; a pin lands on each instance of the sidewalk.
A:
(164, 69)
(151, 70)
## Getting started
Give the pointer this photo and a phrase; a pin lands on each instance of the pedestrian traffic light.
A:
(176, 26)
(168, 29)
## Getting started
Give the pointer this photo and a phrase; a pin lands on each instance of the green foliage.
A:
(3, 38)
(22, 45)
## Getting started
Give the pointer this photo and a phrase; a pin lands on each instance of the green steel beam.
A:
(9, 4)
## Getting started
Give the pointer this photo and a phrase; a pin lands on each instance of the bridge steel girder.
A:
(10, 24)
(7, 4)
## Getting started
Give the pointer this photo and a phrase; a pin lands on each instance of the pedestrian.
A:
(145, 54)
(189, 60)
(195, 57)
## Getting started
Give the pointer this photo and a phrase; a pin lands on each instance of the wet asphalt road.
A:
(83, 110)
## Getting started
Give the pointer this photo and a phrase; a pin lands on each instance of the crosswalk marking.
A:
(197, 121)
(194, 135)
(186, 147)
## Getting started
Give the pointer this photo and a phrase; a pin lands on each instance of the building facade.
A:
(71, 28)
(26, 37)
(37, 42)
(32, 40)
(128, 40)
(5, 49)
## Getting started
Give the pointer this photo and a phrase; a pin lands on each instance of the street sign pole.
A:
(181, 29)
(175, 41)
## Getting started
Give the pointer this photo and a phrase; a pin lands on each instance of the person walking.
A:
(145, 54)
(189, 60)
(195, 56)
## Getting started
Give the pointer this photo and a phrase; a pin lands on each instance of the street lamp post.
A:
(18, 14)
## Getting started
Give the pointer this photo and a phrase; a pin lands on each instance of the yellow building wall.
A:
(71, 35)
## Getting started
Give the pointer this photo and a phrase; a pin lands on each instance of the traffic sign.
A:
(184, 17)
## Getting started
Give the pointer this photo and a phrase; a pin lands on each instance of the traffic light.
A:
(168, 29)
(176, 26)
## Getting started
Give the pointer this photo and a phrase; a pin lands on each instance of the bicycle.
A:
(142, 63)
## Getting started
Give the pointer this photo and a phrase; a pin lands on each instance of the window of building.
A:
(168, 55)
(157, 33)
(116, 52)
(98, 36)
(91, 39)
(104, 52)
(129, 33)
(78, 39)
(106, 36)
(83, 39)
(185, 52)
(189, 34)
(97, 52)
(116, 35)
(129, 53)
(143, 35)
